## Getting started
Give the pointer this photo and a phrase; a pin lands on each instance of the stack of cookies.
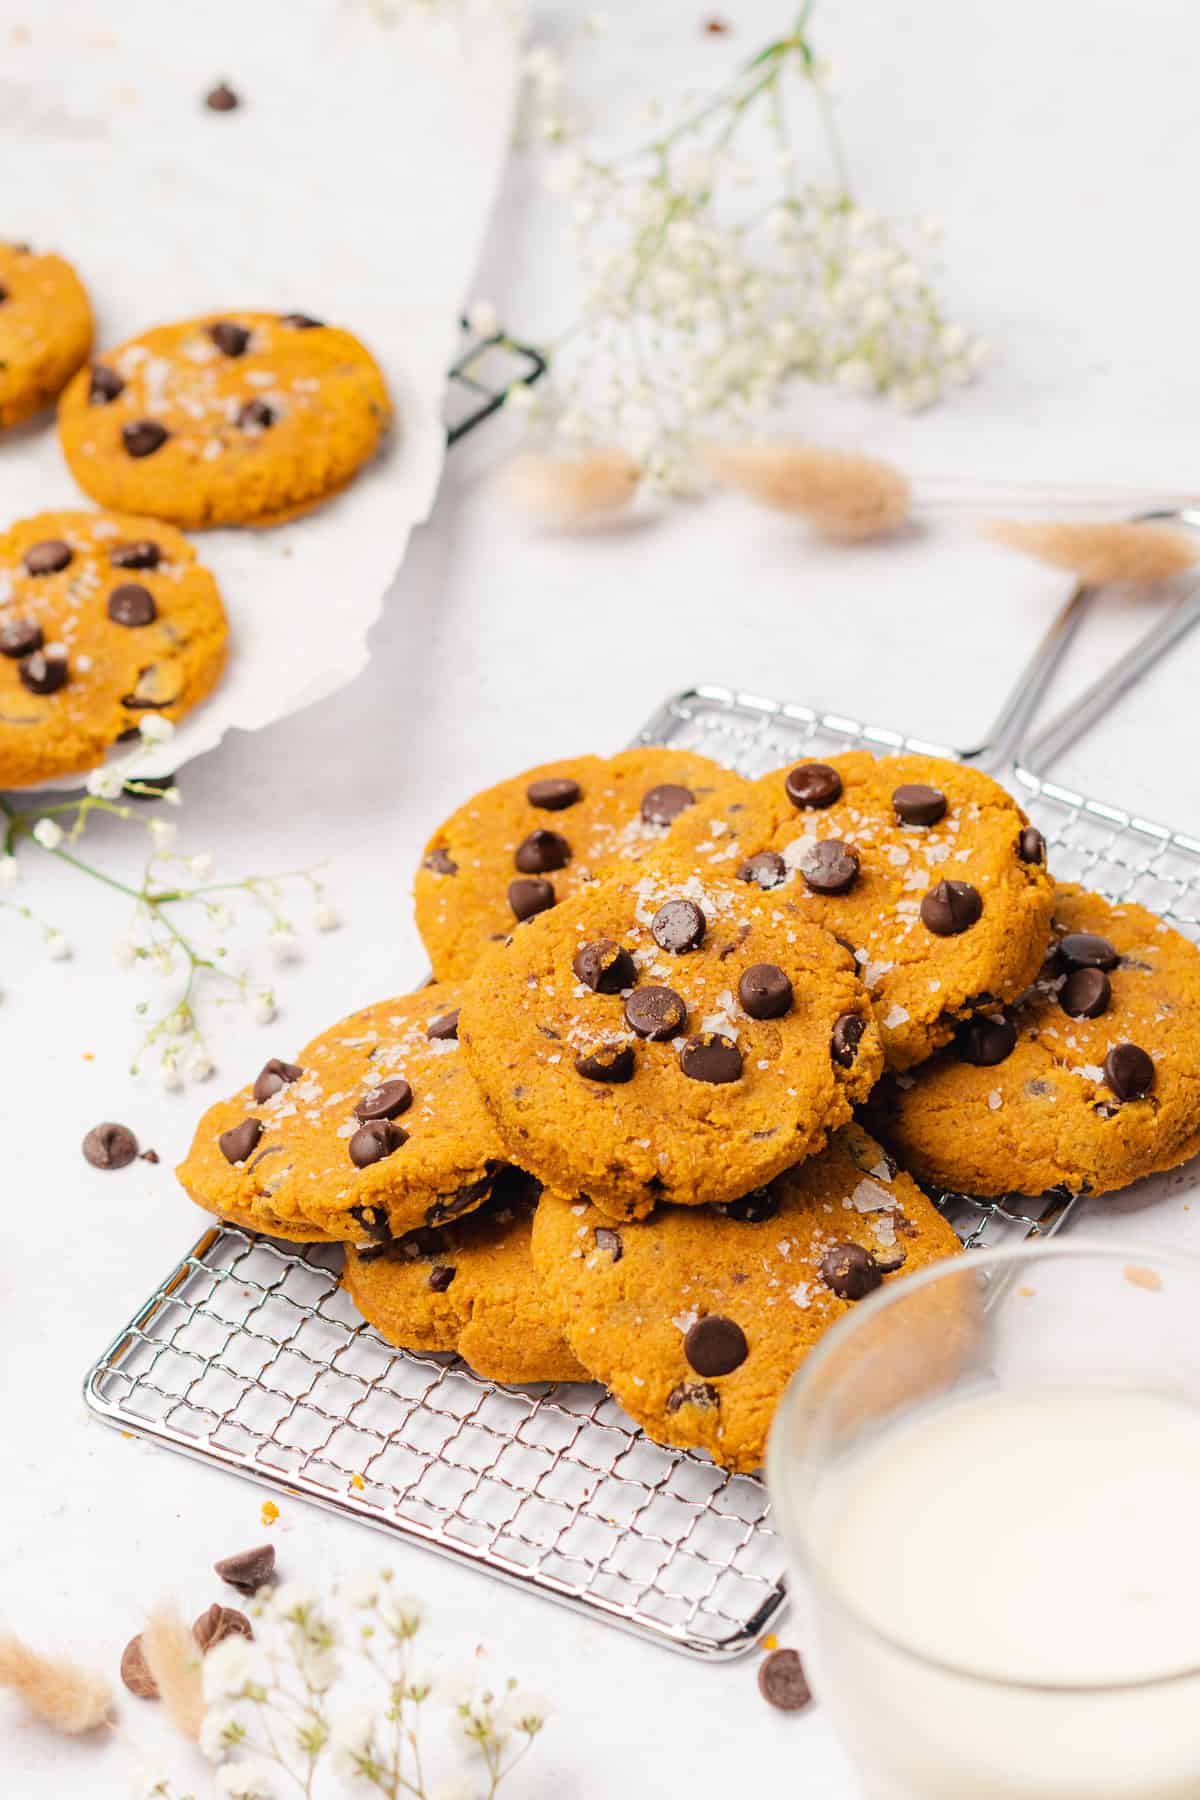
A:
(691, 1045)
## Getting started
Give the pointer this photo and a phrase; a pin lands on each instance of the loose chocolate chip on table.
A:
(240, 1140)
(847, 1036)
(985, 1041)
(143, 437)
(139, 553)
(48, 557)
(1129, 1072)
(372, 1142)
(664, 803)
(104, 385)
(830, 867)
(20, 637)
(221, 99)
(387, 1101)
(1084, 950)
(529, 897)
(715, 1345)
(554, 793)
(782, 1681)
(273, 1076)
(301, 321)
(255, 415)
(150, 1156)
(610, 1242)
(752, 1209)
(248, 1570)
(950, 908)
(693, 1393)
(1031, 845)
(1085, 994)
(440, 1276)
(44, 672)
(711, 1057)
(849, 1271)
(441, 862)
(604, 966)
(813, 784)
(656, 1013)
(541, 852)
(110, 1146)
(918, 804)
(678, 926)
(217, 1624)
(230, 339)
(766, 867)
(441, 1029)
(608, 1062)
(135, 1671)
(131, 604)
(765, 991)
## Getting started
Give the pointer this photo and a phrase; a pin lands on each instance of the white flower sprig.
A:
(180, 921)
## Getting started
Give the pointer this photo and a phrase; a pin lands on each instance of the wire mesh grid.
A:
(249, 1355)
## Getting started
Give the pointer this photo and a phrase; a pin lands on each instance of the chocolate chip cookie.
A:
(241, 418)
(696, 1318)
(45, 330)
(470, 1287)
(521, 847)
(927, 868)
(661, 1038)
(374, 1130)
(104, 619)
(1089, 1081)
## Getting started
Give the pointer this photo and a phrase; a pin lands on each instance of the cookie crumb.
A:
(356, 1481)
(150, 1156)
(1137, 1276)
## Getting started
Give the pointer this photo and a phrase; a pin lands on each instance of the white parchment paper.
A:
(353, 183)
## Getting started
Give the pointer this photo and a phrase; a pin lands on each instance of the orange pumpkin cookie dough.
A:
(45, 330)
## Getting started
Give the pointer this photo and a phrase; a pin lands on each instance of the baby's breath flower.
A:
(285, 945)
(263, 1005)
(326, 917)
(226, 1669)
(169, 1076)
(200, 1067)
(57, 947)
(221, 1731)
(402, 1614)
(105, 783)
(200, 866)
(154, 729)
(253, 1780)
(48, 833)
(125, 953)
(483, 318)
(163, 834)
(10, 871)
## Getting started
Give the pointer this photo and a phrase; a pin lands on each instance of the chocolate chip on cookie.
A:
(917, 803)
(813, 784)
(662, 805)
(255, 415)
(605, 966)
(950, 908)
(608, 1062)
(679, 926)
(657, 1013)
(440, 862)
(767, 869)
(1086, 993)
(104, 385)
(47, 558)
(443, 1029)
(849, 1271)
(847, 1036)
(986, 1041)
(240, 1141)
(45, 671)
(765, 991)
(528, 897)
(273, 1077)
(138, 553)
(542, 852)
(230, 339)
(372, 1142)
(387, 1101)
(142, 437)
(1129, 1071)
(132, 605)
(830, 867)
(712, 1057)
(20, 637)
(1031, 845)
(1087, 950)
(440, 1276)
(715, 1345)
(554, 793)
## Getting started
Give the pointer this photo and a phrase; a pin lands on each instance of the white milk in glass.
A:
(1046, 1536)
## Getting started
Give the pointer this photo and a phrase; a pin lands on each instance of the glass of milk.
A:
(988, 1478)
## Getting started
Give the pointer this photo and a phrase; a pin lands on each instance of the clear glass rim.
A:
(796, 1537)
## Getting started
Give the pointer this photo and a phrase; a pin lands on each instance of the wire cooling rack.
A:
(250, 1356)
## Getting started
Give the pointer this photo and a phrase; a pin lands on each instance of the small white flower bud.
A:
(48, 833)
(325, 916)
(483, 319)
(105, 784)
(155, 729)
(57, 947)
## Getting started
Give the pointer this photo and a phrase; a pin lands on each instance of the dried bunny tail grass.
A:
(174, 1660)
(1141, 553)
(567, 489)
(55, 1689)
(843, 496)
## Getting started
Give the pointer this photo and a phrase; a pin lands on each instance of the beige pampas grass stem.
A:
(842, 495)
(1140, 553)
(566, 490)
(55, 1689)
(174, 1659)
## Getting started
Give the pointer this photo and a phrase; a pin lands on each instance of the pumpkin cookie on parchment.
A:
(45, 330)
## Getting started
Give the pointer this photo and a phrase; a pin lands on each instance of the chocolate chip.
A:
(766, 867)
(541, 852)
(753, 1208)
(656, 1013)
(387, 1101)
(830, 867)
(1031, 845)
(693, 1393)
(20, 637)
(554, 793)
(918, 804)
(715, 1345)
(530, 897)
(44, 672)
(678, 926)
(1085, 994)
(104, 385)
(372, 1142)
(663, 804)
(221, 99)
(255, 415)
(273, 1077)
(985, 1041)
(711, 1057)
(1129, 1072)
(132, 605)
(887, 1262)
(950, 908)
(1084, 950)
(441, 862)
(301, 321)
(248, 1570)
(217, 1624)
(847, 1036)
(135, 1671)
(110, 1146)
(604, 966)
(608, 1062)
(782, 1681)
(230, 339)
(440, 1276)
(850, 1271)
(143, 437)
(139, 553)
(374, 1222)
(240, 1140)
(150, 1156)
(610, 1242)
(765, 991)
(48, 557)
(813, 784)
(444, 1028)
